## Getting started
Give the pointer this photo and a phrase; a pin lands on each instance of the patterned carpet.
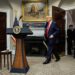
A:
(66, 66)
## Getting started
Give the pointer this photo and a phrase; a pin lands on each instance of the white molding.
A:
(66, 33)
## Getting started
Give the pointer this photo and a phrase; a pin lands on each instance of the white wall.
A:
(16, 6)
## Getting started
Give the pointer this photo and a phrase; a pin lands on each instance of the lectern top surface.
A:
(23, 31)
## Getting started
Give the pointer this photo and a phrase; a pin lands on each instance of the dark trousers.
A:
(74, 48)
(69, 46)
(52, 50)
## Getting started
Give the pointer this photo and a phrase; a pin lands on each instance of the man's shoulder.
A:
(54, 22)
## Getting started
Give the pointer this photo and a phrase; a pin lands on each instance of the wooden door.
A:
(58, 15)
(2, 31)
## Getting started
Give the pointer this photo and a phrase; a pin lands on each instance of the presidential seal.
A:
(16, 29)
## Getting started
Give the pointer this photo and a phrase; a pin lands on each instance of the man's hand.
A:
(51, 36)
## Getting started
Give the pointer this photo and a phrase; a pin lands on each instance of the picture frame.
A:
(34, 10)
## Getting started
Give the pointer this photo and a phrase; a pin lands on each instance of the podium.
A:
(20, 64)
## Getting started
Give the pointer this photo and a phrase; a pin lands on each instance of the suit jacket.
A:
(53, 30)
(70, 34)
(73, 36)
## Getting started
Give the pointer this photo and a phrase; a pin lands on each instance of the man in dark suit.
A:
(51, 32)
(70, 38)
(74, 41)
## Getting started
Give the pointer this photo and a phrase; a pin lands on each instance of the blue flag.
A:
(16, 22)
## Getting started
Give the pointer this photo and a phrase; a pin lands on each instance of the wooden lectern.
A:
(20, 64)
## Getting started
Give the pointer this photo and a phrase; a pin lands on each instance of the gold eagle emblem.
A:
(16, 29)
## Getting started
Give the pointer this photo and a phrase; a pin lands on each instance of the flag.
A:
(14, 39)
(16, 22)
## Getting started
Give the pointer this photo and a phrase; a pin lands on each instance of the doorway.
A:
(58, 15)
(71, 21)
(2, 31)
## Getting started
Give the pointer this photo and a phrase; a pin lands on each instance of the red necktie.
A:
(47, 29)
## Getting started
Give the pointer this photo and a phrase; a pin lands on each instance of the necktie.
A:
(47, 29)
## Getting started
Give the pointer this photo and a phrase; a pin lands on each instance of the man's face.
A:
(48, 18)
(71, 27)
